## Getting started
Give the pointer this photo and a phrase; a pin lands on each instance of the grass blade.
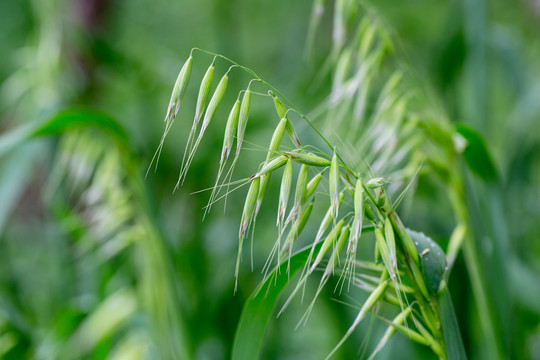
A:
(452, 336)
(259, 308)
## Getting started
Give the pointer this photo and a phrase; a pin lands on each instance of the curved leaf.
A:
(433, 259)
(476, 153)
(259, 308)
(452, 336)
(71, 119)
(81, 118)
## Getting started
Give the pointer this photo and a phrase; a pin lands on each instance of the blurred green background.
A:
(98, 262)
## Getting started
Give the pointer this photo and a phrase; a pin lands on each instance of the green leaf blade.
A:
(476, 153)
(259, 307)
(455, 350)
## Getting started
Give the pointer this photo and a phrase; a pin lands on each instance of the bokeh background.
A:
(99, 262)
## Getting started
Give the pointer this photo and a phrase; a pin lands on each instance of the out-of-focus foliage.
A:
(97, 261)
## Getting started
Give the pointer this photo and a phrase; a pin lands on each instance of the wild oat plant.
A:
(377, 130)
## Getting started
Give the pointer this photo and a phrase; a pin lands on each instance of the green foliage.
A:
(434, 262)
(450, 327)
(98, 261)
(476, 154)
(259, 307)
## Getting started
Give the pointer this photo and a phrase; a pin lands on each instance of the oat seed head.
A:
(385, 148)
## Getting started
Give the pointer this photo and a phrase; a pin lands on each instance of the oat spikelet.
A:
(301, 186)
(240, 131)
(356, 232)
(179, 90)
(204, 91)
(282, 113)
(385, 241)
(292, 236)
(296, 229)
(228, 140)
(311, 187)
(276, 137)
(327, 220)
(247, 217)
(391, 242)
(274, 145)
(274, 164)
(242, 120)
(210, 111)
(329, 242)
(384, 251)
(215, 101)
(358, 216)
(308, 158)
(284, 192)
(230, 131)
(338, 249)
(325, 223)
(249, 206)
(177, 96)
(334, 184)
(265, 180)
